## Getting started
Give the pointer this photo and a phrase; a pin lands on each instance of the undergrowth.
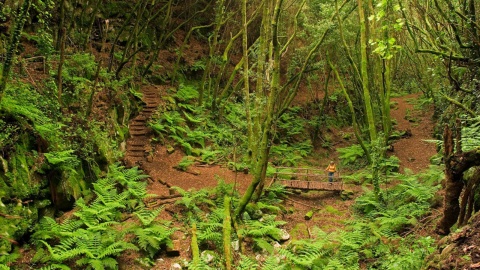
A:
(379, 237)
(97, 232)
(215, 137)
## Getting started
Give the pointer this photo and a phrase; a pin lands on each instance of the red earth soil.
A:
(413, 152)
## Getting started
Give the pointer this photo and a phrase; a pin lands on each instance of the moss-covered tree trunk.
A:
(265, 126)
(206, 84)
(455, 166)
(12, 47)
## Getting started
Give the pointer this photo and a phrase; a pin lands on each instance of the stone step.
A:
(139, 120)
(149, 110)
(137, 127)
(136, 153)
(135, 144)
(139, 132)
(136, 148)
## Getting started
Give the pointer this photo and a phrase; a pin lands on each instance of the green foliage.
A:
(374, 236)
(352, 155)
(185, 162)
(192, 199)
(470, 139)
(246, 263)
(8, 258)
(151, 236)
(91, 236)
(267, 226)
(304, 253)
(410, 254)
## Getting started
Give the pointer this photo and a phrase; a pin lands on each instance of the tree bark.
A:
(455, 166)
(12, 47)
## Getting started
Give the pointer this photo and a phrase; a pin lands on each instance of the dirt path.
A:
(160, 165)
(413, 151)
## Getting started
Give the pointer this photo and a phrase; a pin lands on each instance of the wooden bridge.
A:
(307, 179)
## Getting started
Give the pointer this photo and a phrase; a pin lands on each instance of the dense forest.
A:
(150, 134)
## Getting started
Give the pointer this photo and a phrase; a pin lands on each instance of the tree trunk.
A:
(12, 47)
(63, 34)
(468, 198)
(261, 150)
(455, 166)
(364, 72)
(227, 231)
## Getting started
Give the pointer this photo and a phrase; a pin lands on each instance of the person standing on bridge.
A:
(331, 169)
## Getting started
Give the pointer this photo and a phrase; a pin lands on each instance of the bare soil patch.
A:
(331, 211)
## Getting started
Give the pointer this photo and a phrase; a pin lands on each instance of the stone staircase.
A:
(138, 146)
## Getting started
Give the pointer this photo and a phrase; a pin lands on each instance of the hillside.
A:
(147, 135)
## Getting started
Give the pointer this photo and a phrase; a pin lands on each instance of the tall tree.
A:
(12, 46)
(449, 30)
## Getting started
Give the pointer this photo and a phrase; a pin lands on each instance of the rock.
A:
(260, 258)
(174, 251)
(346, 194)
(284, 236)
(309, 215)
(176, 266)
(236, 245)
(277, 245)
(207, 256)
(446, 252)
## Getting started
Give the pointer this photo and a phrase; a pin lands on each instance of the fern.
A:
(8, 258)
(247, 263)
(192, 199)
(90, 237)
(186, 93)
(55, 266)
(273, 263)
(351, 154)
(268, 226)
(151, 238)
(303, 253)
(470, 133)
(147, 216)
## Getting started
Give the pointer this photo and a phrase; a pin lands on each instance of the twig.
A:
(9, 216)
(303, 204)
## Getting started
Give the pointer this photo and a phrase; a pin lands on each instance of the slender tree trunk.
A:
(364, 72)
(266, 126)
(246, 79)
(227, 231)
(206, 80)
(61, 25)
(92, 94)
(90, 24)
(356, 127)
(12, 47)
(60, 67)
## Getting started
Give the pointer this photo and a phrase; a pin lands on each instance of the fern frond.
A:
(273, 263)
(148, 216)
(115, 249)
(55, 267)
(110, 263)
(247, 263)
